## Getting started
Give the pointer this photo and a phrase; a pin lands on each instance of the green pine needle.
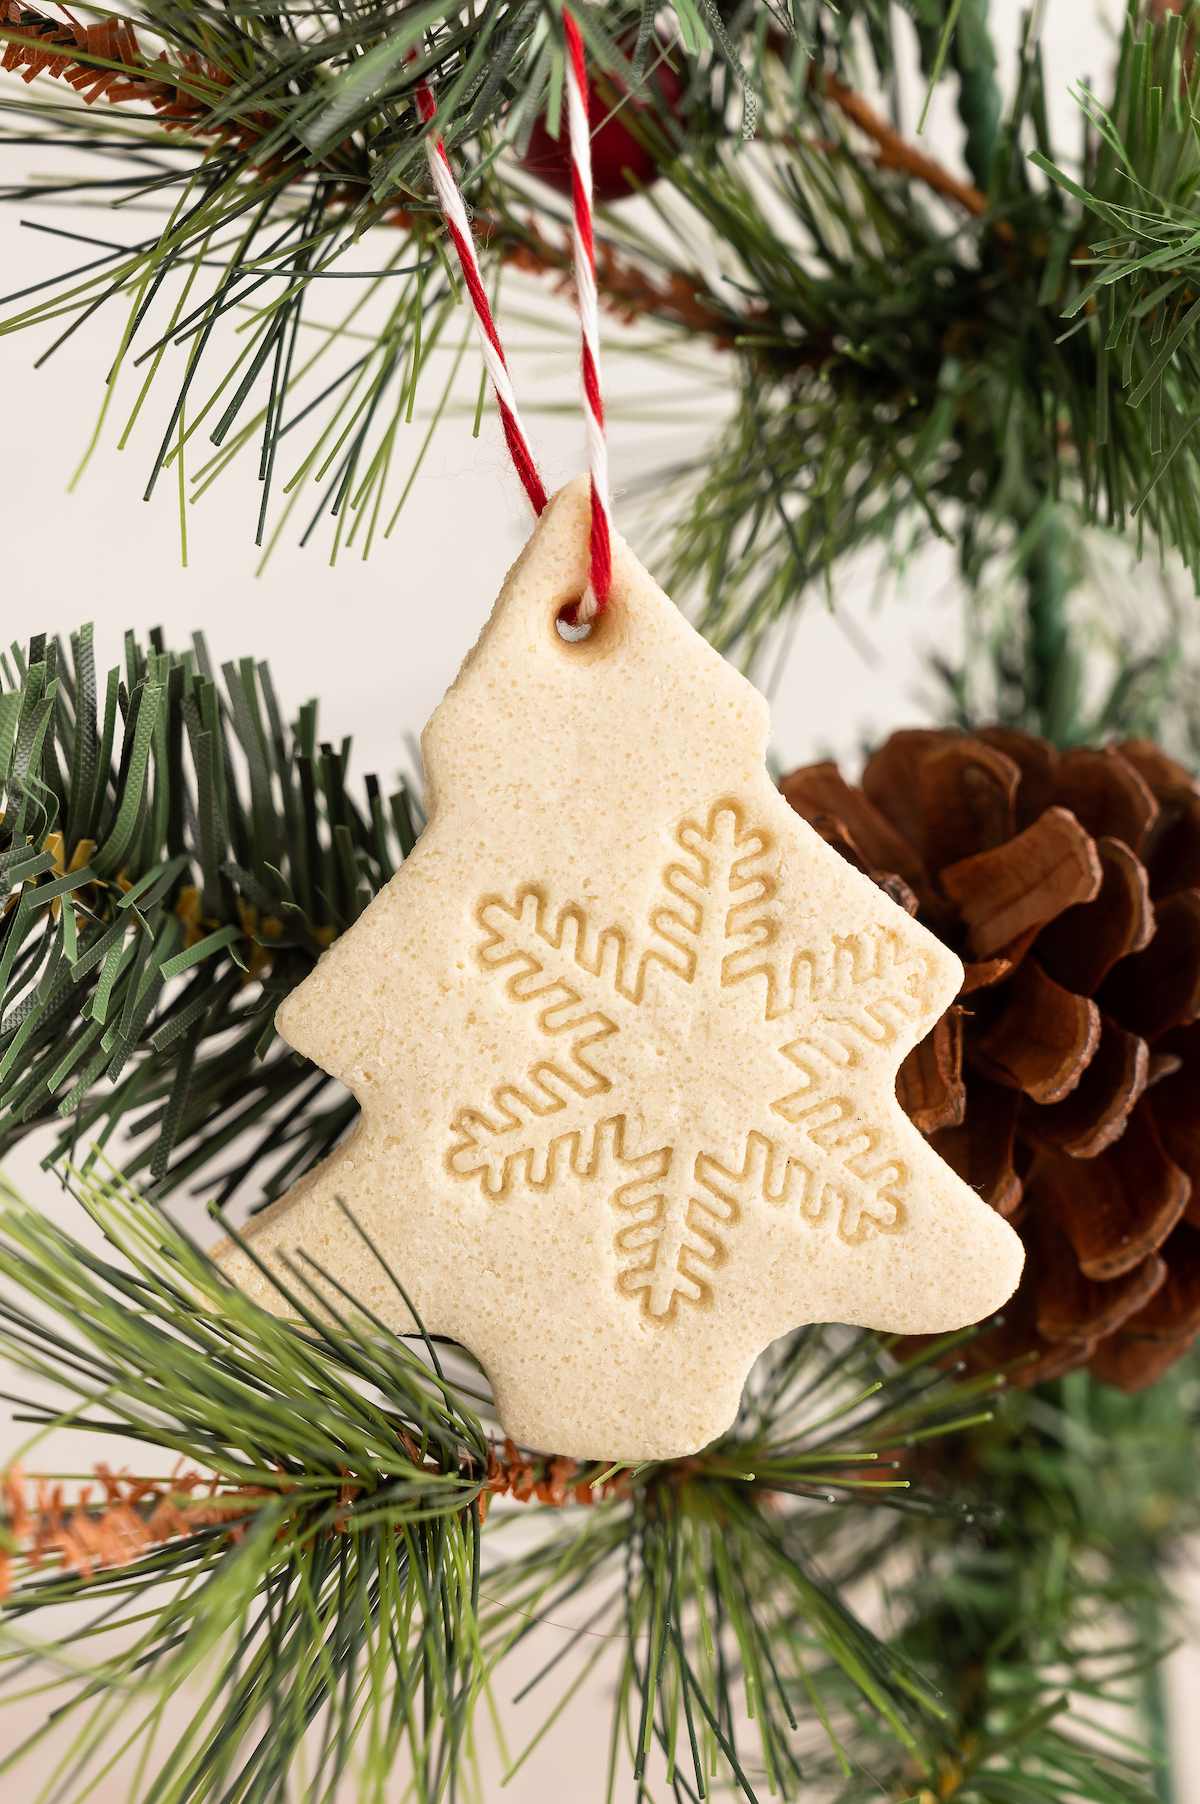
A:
(900, 367)
(175, 862)
(349, 1606)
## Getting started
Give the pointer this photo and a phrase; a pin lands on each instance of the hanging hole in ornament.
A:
(569, 629)
(584, 643)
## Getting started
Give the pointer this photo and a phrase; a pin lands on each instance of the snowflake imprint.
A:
(699, 1075)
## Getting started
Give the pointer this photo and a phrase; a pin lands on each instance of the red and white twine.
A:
(595, 596)
(459, 227)
(584, 246)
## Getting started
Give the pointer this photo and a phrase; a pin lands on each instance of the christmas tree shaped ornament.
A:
(625, 1033)
(624, 1030)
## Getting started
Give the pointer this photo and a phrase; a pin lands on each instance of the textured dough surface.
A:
(625, 1034)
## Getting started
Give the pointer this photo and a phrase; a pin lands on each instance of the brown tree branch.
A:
(104, 62)
(118, 1517)
(130, 1515)
(897, 153)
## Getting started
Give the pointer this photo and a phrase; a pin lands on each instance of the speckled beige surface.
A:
(625, 1034)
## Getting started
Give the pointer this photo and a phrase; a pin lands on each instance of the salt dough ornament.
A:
(625, 1034)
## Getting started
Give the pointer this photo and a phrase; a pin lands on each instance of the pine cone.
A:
(1065, 1082)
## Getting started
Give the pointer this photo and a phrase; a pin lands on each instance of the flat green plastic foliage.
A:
(213, 865)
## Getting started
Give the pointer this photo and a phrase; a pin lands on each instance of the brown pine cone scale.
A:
(1064, 1084)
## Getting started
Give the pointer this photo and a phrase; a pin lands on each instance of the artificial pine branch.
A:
(338, 1559)
(1085, 1479)
(974, 378)
(104, 62)
(100, 63)
(175, 859)
(897, 153)
(916, 352)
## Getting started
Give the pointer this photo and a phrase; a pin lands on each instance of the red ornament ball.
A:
(622, 162)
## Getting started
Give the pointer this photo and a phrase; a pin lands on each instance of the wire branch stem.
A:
(895, 152)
